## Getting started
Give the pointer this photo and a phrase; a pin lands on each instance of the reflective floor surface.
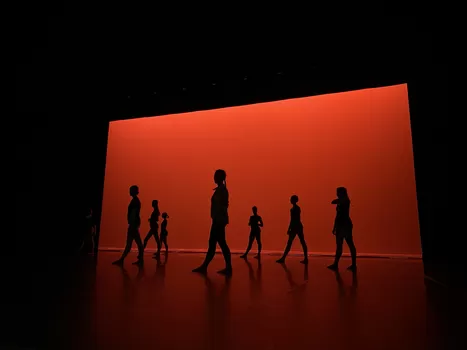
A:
(387, 304)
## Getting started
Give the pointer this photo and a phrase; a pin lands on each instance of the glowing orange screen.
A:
(305, 146)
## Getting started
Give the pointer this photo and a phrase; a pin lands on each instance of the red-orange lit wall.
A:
(306, 146)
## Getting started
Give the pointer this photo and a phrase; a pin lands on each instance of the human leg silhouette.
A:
(258, 242)
(164, 241)
(301, 237)
(158, 242)
(211, 251)
(217, 236)
(129, 243)
(339, 244)
(146, 239)
(250, 244)
(157, 254)
(353, 252)
(139, 244)
(225, 250)
(287, 247)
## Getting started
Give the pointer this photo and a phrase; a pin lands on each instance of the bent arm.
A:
(261, 222)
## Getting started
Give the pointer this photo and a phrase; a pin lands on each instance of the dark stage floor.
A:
(386, 305)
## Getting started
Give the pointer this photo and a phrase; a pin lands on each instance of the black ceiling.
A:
(89, 60)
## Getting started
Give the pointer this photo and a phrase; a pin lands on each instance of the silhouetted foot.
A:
(138, 262)
(118, 262)
(352, 268)
(257, 256)
(280, 261)
(243, 256)
(201, 269)
(227, 271)
(333, 267)
(304, 261)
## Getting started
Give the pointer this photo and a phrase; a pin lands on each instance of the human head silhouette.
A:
(155, 203)
(219, 177)
(255, 210)
(342, 193)
(294, 199)
(134, 191)
(165, 215)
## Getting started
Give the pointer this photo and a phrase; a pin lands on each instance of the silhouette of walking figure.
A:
(134, 222)
(164, 232)
(154, 226)
(220, 219)
(295, 229)
(89, 244)
(256, 222)
(343, 228)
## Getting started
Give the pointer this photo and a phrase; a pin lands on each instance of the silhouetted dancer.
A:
(256, 222)
(295, 229)
(88, 246)
(343, 228)
(164, 232)
(134, 222)
(154, 227)
(220, 219)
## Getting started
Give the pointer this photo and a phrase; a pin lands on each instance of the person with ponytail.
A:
(343, 228)
(220, 219)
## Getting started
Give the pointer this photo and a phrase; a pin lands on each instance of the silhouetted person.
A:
(343, 228)
(256, 222)
(154, 227)
(220, 219)
(295, 229)
(164, 232)
(89, 234)
(134, 222)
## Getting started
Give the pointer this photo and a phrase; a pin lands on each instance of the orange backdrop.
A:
(304, 146)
